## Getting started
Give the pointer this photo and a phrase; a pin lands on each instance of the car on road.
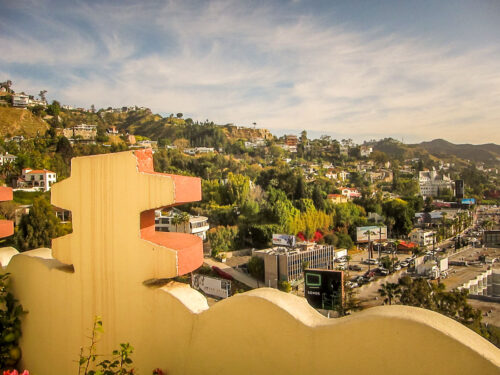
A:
(354, 267)
(382, 271)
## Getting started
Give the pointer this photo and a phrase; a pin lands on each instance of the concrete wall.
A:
(100, 270)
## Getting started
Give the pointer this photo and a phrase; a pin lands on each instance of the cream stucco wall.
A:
(100, 270)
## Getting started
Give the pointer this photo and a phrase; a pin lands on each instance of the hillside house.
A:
(20, 101)
(365, 151)
(350, 193)
(7, 158)
(38, 179)
(337, 198)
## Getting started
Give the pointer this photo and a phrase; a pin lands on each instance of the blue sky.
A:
(412, 70)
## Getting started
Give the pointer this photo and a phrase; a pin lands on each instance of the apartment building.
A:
(422, 237)
(432, 183)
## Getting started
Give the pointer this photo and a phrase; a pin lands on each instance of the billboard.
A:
(374, 232)
(283, 240)
(469, 201)
(212, 286)
(324, 289)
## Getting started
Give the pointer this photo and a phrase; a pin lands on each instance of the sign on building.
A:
(371, 233)
(212, 286)
(283, 240)
(324, 289)
(469, 201)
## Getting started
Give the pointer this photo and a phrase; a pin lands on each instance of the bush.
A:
(284, 286)
(10, 325)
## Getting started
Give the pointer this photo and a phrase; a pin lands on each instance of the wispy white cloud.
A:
(235, 62)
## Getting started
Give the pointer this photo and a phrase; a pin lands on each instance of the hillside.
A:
(486, 153)
(18, 121)
(239, 132)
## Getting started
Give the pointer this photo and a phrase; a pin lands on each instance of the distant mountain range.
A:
(489, 152)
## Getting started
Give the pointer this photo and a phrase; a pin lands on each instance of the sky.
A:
(410, 70)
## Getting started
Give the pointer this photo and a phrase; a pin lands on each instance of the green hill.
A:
(18, 121)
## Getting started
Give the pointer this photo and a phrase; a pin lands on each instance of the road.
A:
(238, 275)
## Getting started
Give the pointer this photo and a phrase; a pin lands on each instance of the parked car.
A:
(354, 267)
(371, 261)
(404, 264)
(383, 271)
(397, 267)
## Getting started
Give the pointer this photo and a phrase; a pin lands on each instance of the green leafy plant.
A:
(120, 364)
(10, 325)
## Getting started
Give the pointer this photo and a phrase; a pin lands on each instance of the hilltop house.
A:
(20, 100)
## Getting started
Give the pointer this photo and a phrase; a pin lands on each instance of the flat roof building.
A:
(286, 263)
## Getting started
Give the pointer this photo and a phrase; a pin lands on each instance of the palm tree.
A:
(390, 291)
(179, 219)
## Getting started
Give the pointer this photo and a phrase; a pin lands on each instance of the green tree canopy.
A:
(37, 228)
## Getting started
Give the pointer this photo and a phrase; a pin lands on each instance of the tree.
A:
(37, 228)
(7, 84)
(390, 291)
(179, 219)
(402, 214)
(256, 267)
(64, 149)
(54, 109)
(41, 94)
(179, 115)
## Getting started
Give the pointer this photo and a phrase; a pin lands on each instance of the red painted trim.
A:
(189, 247)
(6, 228)
(5, 194)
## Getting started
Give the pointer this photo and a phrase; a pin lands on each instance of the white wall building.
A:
(197, 225)
(20, 100)
(41, 179)
(422, 237)
(431, 183)
(7, 158)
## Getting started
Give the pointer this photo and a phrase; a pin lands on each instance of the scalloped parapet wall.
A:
(100, 270)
